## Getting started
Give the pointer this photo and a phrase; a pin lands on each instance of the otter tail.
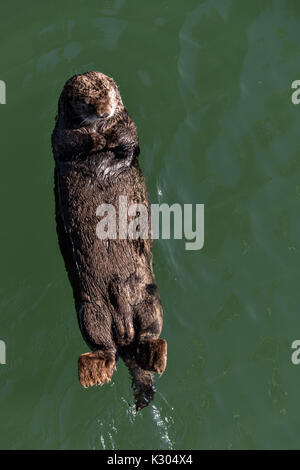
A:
(143, 359)
(142, 384)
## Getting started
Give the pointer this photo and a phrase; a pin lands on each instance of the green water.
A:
(209, 86)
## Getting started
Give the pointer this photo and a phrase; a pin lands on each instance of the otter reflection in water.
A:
(95, 147)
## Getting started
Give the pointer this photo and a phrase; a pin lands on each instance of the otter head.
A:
(89, 98)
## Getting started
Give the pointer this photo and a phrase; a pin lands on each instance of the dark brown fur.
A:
(95, 147)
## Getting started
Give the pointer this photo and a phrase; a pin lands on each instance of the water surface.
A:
(208, 84)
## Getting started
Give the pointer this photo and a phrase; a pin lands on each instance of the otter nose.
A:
(104, 115)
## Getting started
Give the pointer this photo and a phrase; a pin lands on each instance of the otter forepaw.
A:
(95, 368)
(151, 354)
(98, 141)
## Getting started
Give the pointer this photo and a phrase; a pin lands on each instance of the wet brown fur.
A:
(116, 297)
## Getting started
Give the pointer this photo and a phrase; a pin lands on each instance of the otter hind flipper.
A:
(96, 368)
(151, 354)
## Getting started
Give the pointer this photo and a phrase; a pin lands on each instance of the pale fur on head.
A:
(90, 97)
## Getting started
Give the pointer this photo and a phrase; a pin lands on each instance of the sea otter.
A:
(95, 147)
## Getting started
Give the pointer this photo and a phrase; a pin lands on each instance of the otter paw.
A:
(151, 354)
(98, 141)
(95, 368)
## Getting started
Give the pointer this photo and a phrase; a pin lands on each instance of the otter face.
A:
(90, 97)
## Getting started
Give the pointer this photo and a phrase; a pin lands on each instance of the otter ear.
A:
(151, 354)
(111, 81)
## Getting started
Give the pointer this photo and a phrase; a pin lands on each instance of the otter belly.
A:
(110, 274)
